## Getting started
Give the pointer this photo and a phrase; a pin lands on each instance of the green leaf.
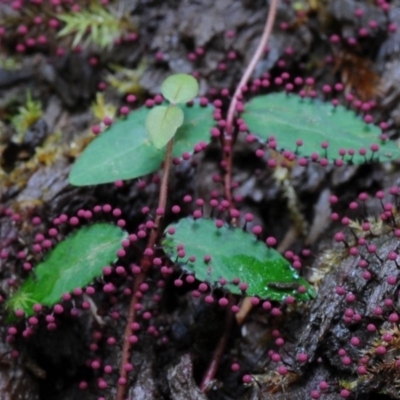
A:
(94, 25)
(125, 151)
(27, 115)
(234, 254)
(73, 263)
(162, 123)
(180, 88)
(290, 118)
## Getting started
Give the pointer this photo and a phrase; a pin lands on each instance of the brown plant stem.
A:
(228, 137)
(212, 369)
(145, 263)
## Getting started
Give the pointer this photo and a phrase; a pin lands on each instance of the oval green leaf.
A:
(73, 263)
(234, 254)
(290, 118)
(162, 123)
(180, 88)
(125, 151)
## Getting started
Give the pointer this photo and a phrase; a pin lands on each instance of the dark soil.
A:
(33, 181)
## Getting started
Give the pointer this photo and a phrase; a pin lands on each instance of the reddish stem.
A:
(145, 263)
(228, 137)
(212, 369)
(228, 159)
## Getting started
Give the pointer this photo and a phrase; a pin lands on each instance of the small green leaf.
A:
(180, 88)
(27, 115)
(162, 123)
(234, 254)
(94, 25)
(73, 263)
(290, 118)
(124, 151)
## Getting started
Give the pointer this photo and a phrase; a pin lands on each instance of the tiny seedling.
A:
(125, 151)
(223, 256)
(162, 121)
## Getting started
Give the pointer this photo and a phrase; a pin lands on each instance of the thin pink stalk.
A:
(253, 62)
(228, 137)
(212, 369)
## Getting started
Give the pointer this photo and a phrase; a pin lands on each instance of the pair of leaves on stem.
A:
(124, 150)
(135, 145)
(162, 121)
(80, 258)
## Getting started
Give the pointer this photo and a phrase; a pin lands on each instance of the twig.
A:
(228, 137)
(212, 369)
(145, 263)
